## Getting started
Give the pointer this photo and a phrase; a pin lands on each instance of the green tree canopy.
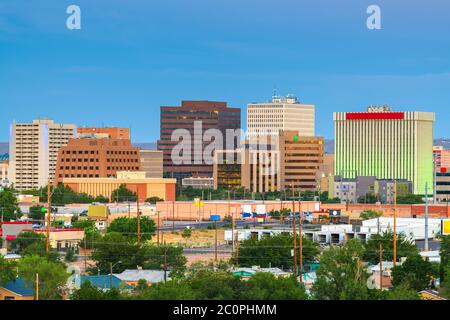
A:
(129, 227)
(123, 194)
(341, 274)
(444, 252)
(153, 200)
(370, 214)
(405, 247)
(265, 286)
(9, 208)
(52, 275)
(115, 247)
(368, 198)
(274, 251)
(415, 272)
(37, 213)
(7, 271)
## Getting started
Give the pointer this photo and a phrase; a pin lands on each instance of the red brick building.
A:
(96, 158)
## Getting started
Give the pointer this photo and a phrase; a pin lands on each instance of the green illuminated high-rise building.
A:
(385, 144)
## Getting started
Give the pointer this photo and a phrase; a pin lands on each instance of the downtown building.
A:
(280, 114)
(386, 145)
(192, 119)
(268, 164)
(33, 151)
(96, 156)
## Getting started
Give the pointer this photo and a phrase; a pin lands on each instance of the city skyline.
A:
(120, 68)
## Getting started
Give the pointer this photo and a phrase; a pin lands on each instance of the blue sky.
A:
(130, 57)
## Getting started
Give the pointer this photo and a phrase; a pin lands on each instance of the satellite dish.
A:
(335, 213)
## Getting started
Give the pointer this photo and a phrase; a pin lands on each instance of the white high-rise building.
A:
(33, 151)
(280, 114)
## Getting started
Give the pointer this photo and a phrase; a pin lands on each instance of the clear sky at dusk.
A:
(132, 56)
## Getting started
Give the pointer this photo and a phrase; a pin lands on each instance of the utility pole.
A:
(232, 225)
(426, 216)
(294, 223)
(173, 215)
(237, 237)
(37, 286)
(110, 275)
(395, 224)
(47, 242)
(138, 217)
(165, 262)
(129, 210)
(85, 254)
(381, 265)
(215, 241)
(300, 223)
(157, 228)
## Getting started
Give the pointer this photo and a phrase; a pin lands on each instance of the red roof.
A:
(375, 116)
(16, 222)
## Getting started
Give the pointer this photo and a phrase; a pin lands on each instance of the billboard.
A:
(446, 227)
(98, 211)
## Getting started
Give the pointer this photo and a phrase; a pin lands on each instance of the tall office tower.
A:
(289, 160)
(152, 163)
(280, 114)
(96, 158)
(385, 144)
(105, 132)
(33, 151)
(191, 120)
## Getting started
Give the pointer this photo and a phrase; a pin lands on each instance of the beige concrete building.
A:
(441, 158)
(33, 151)
(385, 144)
(286, 160)
(134, 181)
(280, 114)
(152, 163)
(4, 167)
(325, 172)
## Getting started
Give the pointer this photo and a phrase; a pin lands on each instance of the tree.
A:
(153, 200)
(445, 285)
(91, 233)
(368, 198)
(410, 199)
(128, 227)
(88, 292)
(165, 256)
(101, 199)
(341, 274)
(171, 290)
(265, 286)
(26, 239)
(123, 194)
(37, 213)
(187, 233)
(52, 275)
(7, 271)
(415, 272)
(405, 247)
(215, 285)
(274, 251)
(112, 248)
(444, 252)
(70, 256)
(370, 214)
(9, 208)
